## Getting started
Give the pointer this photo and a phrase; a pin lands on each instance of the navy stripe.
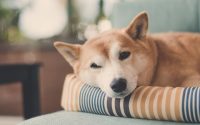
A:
(90, 100)
(126, 106)
(98, 107)
(198, 100)
(94, 100)
(89, 109)
(195, 104)
(117, 107)
(85, 99)
(101, 102)
(109, 105)
(190, 113)
(191, 104)
(97, 102)
(82, 98)
(183, 103)
(187, 106)
(103, 96)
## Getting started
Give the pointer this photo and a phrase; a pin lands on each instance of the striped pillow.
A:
(161, 103)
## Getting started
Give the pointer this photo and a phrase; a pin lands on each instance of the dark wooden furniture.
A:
(28, 75)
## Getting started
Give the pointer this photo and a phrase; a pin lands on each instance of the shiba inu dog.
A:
(119, 60)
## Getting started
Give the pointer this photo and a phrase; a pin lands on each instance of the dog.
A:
(119, 60)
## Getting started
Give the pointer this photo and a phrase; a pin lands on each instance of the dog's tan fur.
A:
(178, 59)
(168, 59)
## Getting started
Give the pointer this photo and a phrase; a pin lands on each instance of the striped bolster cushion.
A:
(161, 103)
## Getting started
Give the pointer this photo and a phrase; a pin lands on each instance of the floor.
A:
(10, 120)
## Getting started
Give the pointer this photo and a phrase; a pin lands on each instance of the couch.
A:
(78, 118)
(165, 16)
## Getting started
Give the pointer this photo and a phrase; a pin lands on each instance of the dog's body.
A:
(178, 59)
(119, 60)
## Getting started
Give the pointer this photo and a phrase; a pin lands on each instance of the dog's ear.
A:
(139, 26)
(70, 52)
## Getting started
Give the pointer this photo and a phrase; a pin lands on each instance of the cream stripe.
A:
(164, 114)
(181, 104)
(148, 101)
(75, 92)
(167, 106)
(131, 102)
(172, 105)
(155, 105)
(106, 105)
(78, 95)
(177, 103)
(70, 93)
(159, 104)
(122, 107)
(113, 107)
(139, 101)
(72, 86)
(65, 98)
(64, 93)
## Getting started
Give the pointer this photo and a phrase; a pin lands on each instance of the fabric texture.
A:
(164, 15)
(161, 103)
(80, 118)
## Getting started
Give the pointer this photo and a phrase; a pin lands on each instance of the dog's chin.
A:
(123, 94)
(118, 95)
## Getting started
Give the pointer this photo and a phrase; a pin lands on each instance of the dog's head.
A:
(113, 60)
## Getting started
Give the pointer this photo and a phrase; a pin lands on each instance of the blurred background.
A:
(29, 27)
(27, 31)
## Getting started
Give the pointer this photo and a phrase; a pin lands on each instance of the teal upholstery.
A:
(164, 15)
(79, 118)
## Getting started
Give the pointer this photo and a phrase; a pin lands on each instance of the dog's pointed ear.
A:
(70, 52)
(138, 26)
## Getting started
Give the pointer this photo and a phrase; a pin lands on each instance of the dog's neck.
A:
(146, 77)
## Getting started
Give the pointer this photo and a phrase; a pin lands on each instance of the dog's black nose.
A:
(118, 85)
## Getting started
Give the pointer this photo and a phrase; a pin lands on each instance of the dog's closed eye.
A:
(124, 55)
(95, 66)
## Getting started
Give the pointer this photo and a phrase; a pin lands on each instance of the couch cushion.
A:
(148, 102)
(165, 15)
(78, 118)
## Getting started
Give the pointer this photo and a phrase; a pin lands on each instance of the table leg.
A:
(30, 88)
